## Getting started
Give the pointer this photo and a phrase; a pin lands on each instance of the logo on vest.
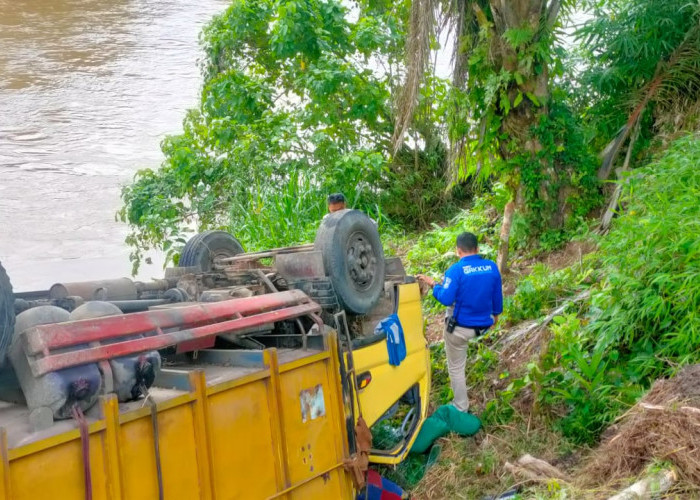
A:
(476, 269)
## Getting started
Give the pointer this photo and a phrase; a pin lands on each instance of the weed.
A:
(434, 250)
(541, 290)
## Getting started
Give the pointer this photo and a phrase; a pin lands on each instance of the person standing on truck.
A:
(472, 290)
(336, 201)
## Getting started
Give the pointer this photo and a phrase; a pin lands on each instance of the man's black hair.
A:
(336, 198)
(467, 242)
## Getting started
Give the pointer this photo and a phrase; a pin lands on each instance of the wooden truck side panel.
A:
(250, 437)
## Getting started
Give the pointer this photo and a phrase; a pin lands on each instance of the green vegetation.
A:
(598, 357)
(291, 110)
(519, 145)
(542, 290)
(643, 59)
(643, 319)
(287, 114)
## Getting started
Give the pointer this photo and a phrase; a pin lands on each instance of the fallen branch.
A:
(621, 181)
(548, 319)
(649, 487)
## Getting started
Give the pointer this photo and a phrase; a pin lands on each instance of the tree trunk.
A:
(502, 260)
(518, 123)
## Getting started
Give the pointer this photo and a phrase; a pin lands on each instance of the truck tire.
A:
(7, 314)
(203, 248)
(353, 259)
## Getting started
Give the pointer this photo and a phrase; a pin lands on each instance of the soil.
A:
(434, 327)
(663, 426)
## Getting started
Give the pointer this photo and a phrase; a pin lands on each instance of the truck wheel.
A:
(7, 314)
(204, 248)
(353, 259)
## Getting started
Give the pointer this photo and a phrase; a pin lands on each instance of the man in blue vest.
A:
(473, 293)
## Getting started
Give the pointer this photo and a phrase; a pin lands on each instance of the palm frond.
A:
(678, 74)
(421, 31)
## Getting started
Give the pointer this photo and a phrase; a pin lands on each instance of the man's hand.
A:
(426, 279)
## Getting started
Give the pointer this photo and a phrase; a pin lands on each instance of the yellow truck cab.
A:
(254, 396)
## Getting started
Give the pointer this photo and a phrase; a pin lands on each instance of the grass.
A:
(473, 467)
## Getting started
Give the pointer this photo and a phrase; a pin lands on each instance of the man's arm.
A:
(446, 292)
(497, 296)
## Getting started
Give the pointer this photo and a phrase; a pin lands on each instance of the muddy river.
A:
(88, 88)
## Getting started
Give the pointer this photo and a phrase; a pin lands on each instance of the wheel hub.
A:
(362, 263)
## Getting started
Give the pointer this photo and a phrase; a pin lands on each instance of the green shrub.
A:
(590, 391)
(643, 319)
(434, 250)
(648, 307)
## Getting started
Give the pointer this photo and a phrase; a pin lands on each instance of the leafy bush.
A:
(647, 308)
(434, 250)
(295, 104)
(627, 45)
(643, 320)
(591, 390)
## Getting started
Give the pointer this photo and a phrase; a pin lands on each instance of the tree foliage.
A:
(304, 97)
(297, 102)
(642, 55)
(507, 119)
(628, 44)
(289, 112)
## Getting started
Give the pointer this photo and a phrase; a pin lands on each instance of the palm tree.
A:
(504, 44)
(641, 53)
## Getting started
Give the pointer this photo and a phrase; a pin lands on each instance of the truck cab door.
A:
(393, 397)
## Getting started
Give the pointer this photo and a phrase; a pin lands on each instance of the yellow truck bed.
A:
(231, 424)
(270, 425)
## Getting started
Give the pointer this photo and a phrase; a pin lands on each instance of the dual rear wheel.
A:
(352, 253)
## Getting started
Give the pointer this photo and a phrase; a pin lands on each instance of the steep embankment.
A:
(625, 315)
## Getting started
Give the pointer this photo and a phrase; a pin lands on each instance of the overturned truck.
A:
(86, 358)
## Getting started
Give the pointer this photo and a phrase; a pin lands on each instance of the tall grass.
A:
(434, 251)
(278, 214)
(649, 305)
(644, 317)
(287, 212)
(542, 290)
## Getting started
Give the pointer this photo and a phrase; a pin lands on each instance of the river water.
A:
(88, 88)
